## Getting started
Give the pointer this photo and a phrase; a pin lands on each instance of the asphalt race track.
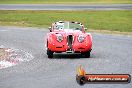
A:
(65, 7)
(111, 54)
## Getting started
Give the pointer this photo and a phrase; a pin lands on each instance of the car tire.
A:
(81, 80)
(50, 54)
(86, 54)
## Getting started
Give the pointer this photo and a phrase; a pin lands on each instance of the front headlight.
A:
(59, 37)
(80, 38)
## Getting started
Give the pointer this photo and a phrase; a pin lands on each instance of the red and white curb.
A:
(10, 57)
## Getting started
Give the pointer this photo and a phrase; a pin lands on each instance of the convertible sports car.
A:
(69, 37)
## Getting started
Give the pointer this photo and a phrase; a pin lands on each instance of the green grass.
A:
(99, 20)
(64, 1)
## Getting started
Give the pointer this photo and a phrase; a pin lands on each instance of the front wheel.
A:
(50, 54)
(86, 54)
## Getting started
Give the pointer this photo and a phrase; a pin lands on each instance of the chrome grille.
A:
(70, 41)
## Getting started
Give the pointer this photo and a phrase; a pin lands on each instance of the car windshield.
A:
(68, 25)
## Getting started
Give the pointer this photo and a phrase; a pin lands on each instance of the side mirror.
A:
(50, 29)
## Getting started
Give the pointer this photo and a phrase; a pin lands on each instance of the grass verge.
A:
(99, 20)
(65, 1)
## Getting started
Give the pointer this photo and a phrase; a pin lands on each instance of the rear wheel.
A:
(49, 53)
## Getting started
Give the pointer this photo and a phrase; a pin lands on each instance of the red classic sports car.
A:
(69, 37)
